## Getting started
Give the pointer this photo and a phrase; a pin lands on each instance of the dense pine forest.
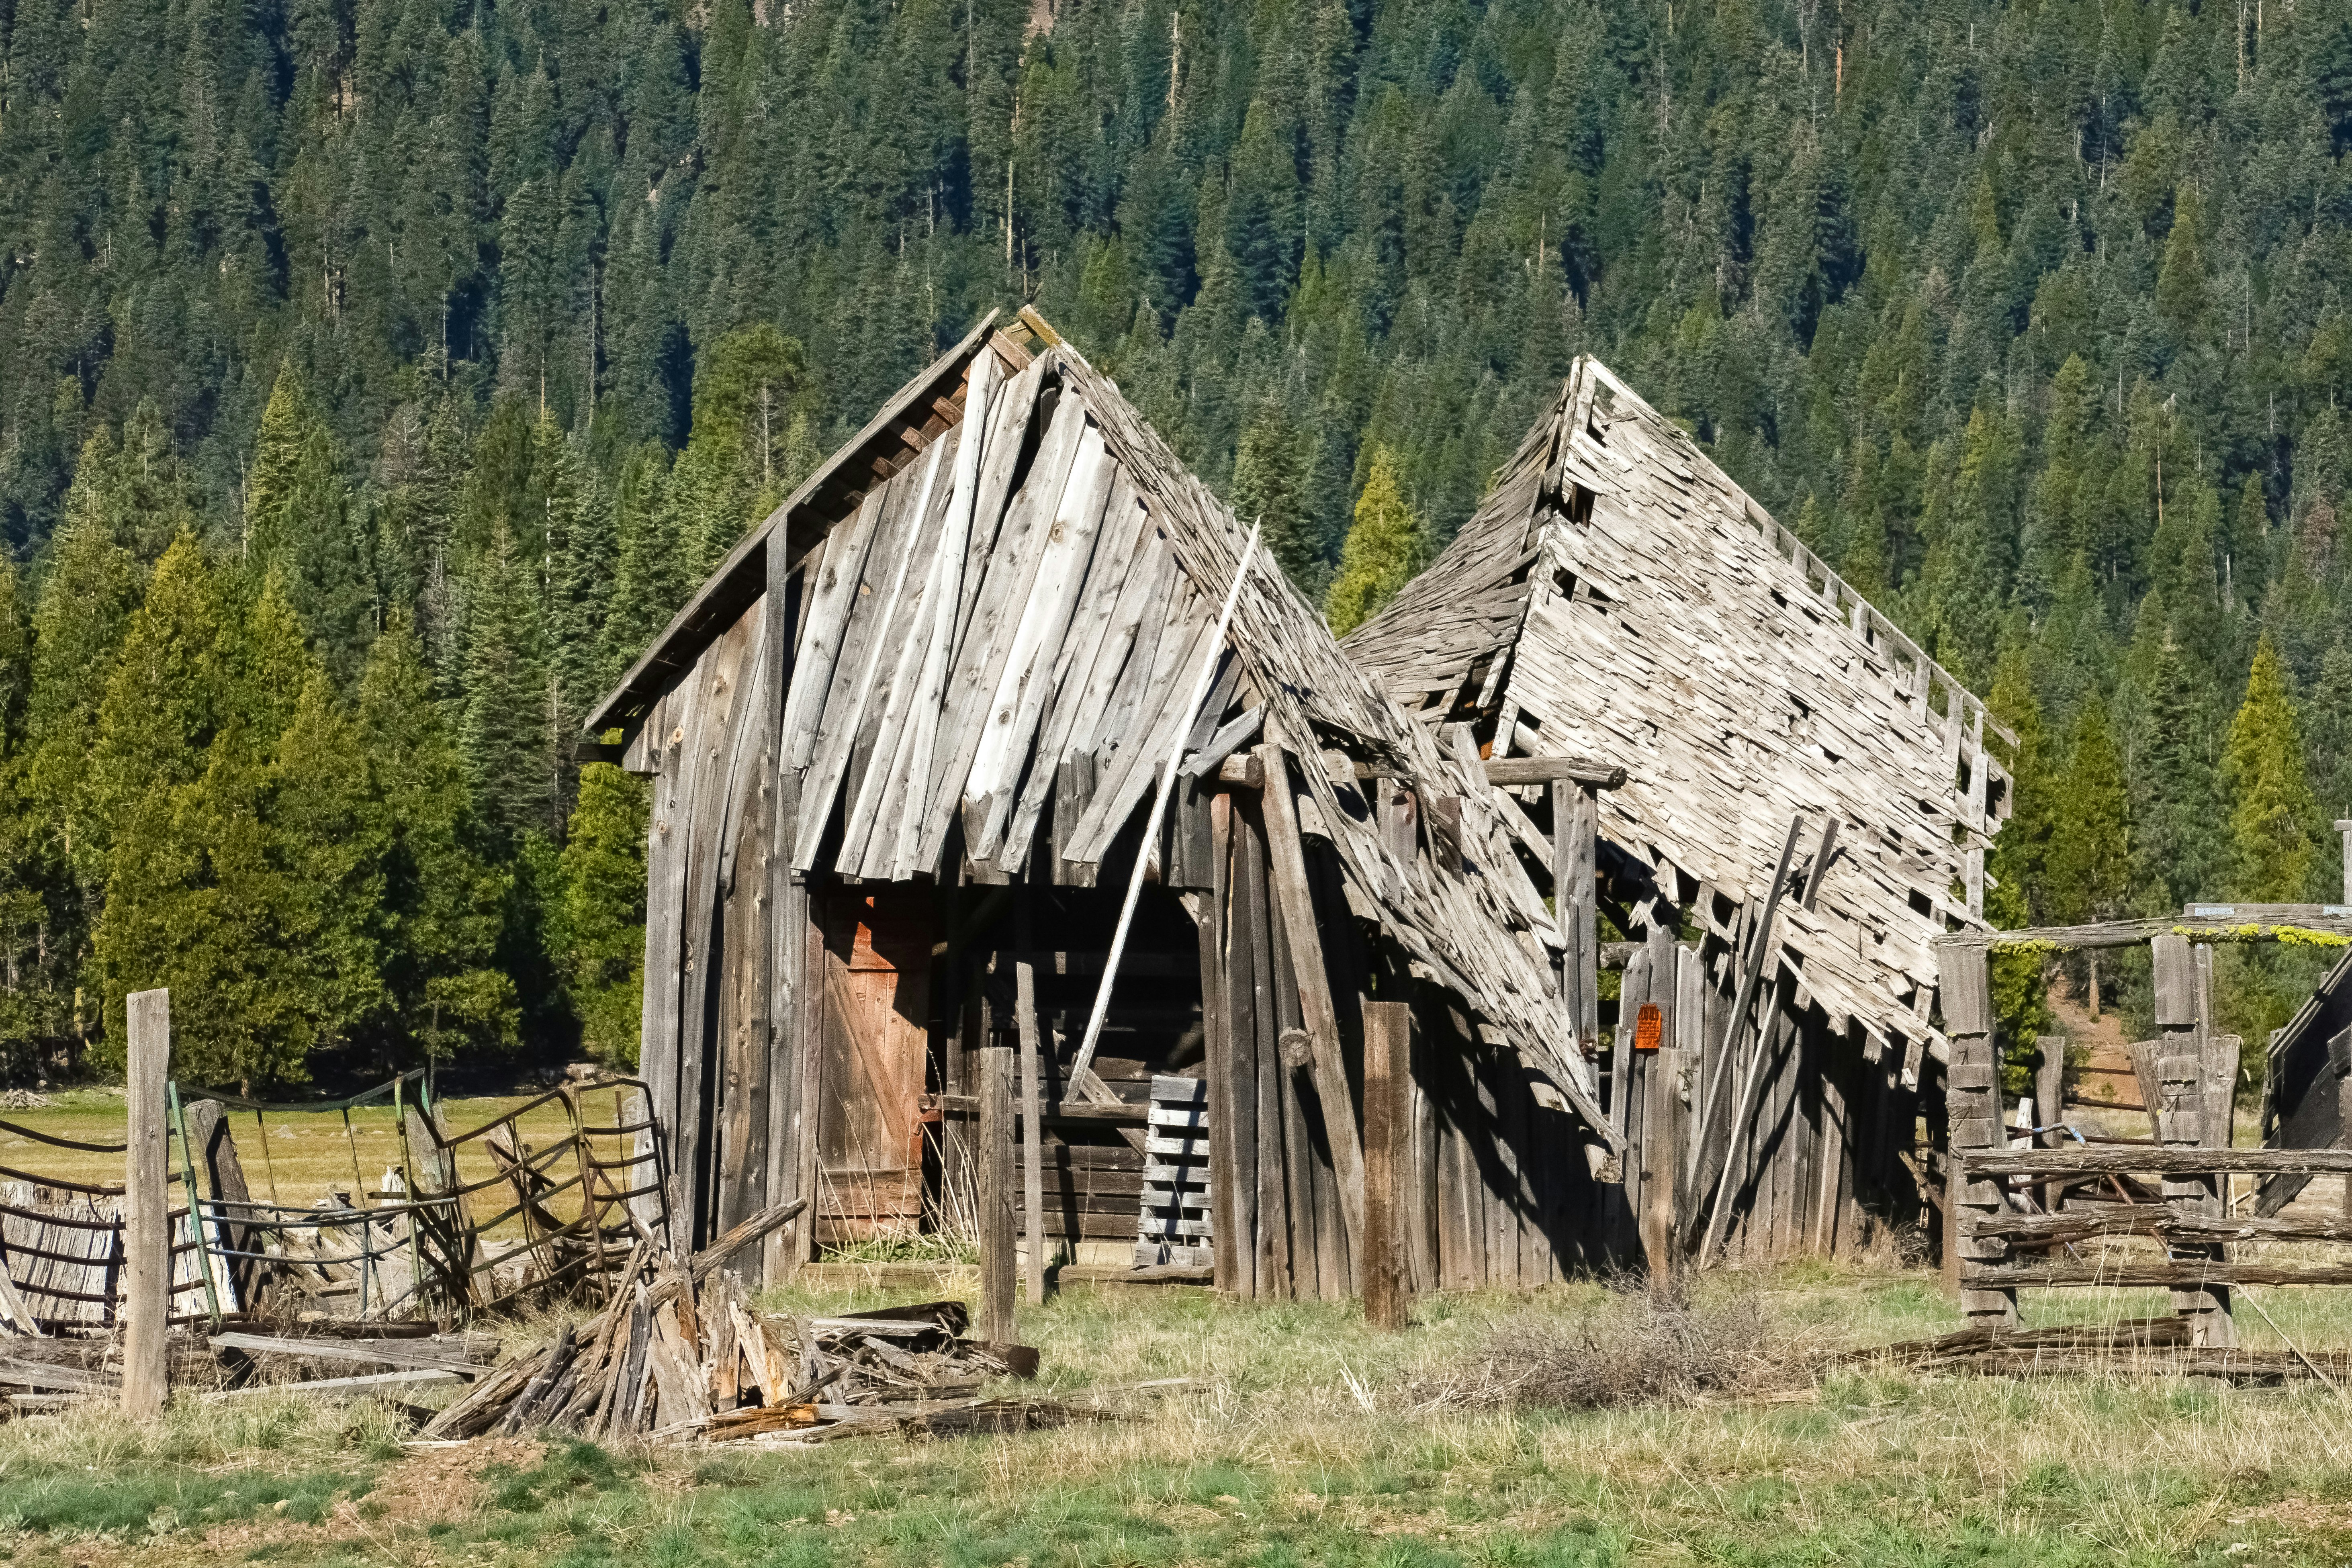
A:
(376, 376)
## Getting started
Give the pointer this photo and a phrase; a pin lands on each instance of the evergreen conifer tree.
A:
(2089, 867)
(443, 905)
(505, 731)
(2271, 809)
(1382, 552)
(596, 927)
(1267, 475)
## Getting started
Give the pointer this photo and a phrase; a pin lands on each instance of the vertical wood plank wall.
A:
(1498, 1190)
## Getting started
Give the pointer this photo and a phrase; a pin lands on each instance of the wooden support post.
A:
(994, 1158)
(1972, 1104)
(1287, 859)
(1576, 818)
(2344, 828)
(2050, 1106)
(1385, 1258)
(2182, 1117)
(146, 1221)
(1665, 1115)
(1033, 1132)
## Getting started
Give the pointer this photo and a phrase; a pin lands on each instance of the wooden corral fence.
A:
(62, 1249)
(553, 1219)
(2028, 1243)
(2187, 1078)
(563, 1213)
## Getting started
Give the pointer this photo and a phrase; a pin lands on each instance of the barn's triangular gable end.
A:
(1618, 597)
(995, 624)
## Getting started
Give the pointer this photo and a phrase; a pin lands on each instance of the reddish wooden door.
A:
(877, 957)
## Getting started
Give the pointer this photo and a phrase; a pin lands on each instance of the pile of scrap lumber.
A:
(2153, 1347)
(681, 1355)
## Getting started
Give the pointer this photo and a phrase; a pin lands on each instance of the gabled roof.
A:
(1011, 615)
(1618, 597)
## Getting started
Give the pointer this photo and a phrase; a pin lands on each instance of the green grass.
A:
(1301, 1443)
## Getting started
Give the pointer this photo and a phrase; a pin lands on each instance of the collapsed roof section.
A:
(1009, 583)
(1617, 596)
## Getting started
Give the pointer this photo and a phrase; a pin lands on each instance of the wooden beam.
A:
(995, 1159)
(1296, 899)
(1385, 1266)
(1033, 1132)
(2149, 1160)
(2259, 923)
(146, 1220)
(1584, 771)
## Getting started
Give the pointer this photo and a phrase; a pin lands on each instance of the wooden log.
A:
(1582, 773)
(994, 1158)
(2252, 925)
(2143, 1159)
(1385, 1256)
(1287, 856)
(2189, 1276)
(1033, 1132)
(2153, 1219)
(1575, 822)
(146, 1227)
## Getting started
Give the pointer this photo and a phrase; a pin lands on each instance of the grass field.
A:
(1304, 1439)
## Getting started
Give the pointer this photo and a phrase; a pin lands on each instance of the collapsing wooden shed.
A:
(905, 744)
(1618, 597)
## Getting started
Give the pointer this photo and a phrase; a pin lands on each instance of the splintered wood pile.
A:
(682, 1356)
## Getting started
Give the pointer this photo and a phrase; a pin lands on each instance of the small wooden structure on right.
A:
(1809, 799)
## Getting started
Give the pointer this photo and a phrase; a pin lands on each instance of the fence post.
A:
(146, 1220)
(1972, 1103)
(2183, 1117)
(1388, 1044)
(996, 1192)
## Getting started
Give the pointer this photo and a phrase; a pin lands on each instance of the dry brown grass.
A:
(1634, 1346)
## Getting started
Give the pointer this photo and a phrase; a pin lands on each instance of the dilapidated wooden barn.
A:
(1617, 597)
(905, 746)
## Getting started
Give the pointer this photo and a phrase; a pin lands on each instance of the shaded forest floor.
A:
(1303, 1438)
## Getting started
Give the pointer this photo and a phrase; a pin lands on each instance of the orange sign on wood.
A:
(1649, 1024)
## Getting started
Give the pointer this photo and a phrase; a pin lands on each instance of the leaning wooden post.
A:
(1033, 1132)
(995, 1160)
(2344, 828)
(2181, 1117)
(1287, 859)
(1387, 1044)
(146, 1219)
(2050, 1107)
(1972, 1105)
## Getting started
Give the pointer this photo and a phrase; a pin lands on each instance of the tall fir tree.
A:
(1268, 471)
(443, 903)
(505, 730)
(2271, 812)
(596, 927)
(1382, 552)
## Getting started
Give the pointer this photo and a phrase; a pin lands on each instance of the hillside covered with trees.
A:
(376, 376)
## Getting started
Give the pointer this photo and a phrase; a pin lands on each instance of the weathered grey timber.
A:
(1616, 596)
(957, 662)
